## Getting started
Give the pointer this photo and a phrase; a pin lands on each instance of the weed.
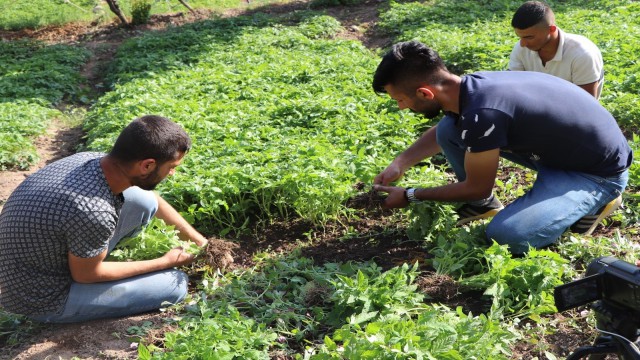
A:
(140, 11)
(14, 328)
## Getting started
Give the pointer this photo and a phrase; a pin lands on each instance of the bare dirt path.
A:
(59, 141)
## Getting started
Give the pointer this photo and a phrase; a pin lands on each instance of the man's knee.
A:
(518, 238)
(153, 289)
(141, 202)
(180, 291)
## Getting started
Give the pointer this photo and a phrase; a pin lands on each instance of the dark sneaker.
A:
(468, 212)
(588, 223)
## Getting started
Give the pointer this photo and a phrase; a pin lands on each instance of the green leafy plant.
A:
(21, 14)
(288, 294)
(140, 11)
(16, 152)
(581, 250)
(435, 333)
(322, 26)
(460, 253)
(283, 149)
(14, 328)
(366, 297)
(34, 77)
(153, 241)
(140, 330)
(520, 287)
(221, 333)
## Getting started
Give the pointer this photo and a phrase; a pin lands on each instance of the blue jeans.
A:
(557, 199)
(129, 296)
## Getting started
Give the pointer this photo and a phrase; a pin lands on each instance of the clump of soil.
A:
(219, 253)
(370, 200)
(444, 289)
(315, 294)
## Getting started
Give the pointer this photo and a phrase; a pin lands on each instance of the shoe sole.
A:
(608, 210)
(488, 214)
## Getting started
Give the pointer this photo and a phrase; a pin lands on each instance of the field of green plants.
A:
(285, 126)
(20, 14)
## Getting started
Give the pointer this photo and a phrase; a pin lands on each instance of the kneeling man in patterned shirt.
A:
(59, 225)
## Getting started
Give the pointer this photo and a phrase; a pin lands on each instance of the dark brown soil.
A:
(220, 253)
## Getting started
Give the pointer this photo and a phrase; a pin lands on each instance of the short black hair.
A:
(532, 13)
(407, 63)
(151, 137)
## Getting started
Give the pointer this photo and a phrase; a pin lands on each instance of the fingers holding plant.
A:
(395, 198)
(388, 175)
(179, 256)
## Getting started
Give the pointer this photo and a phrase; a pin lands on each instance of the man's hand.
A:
(202, 243)
(388, 175)
(395, 199)
(95, 269)
(425, 147)
(178, 257)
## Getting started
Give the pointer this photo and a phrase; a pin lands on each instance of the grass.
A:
(34, 79)
(33, 14)
(14, 328)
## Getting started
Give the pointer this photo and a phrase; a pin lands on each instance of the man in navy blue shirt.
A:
(537, 120)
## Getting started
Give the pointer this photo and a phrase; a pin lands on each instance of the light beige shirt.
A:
(577, 60)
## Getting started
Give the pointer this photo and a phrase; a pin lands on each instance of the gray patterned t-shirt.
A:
(65, 206)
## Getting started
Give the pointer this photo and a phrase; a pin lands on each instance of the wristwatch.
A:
(410, 195)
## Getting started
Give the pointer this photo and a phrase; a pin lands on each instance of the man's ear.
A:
(425, 93)
(147, 166)
(552, 29)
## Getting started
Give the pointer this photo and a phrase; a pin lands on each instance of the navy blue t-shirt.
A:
(553, 121)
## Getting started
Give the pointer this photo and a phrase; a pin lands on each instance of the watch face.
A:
(411, 195)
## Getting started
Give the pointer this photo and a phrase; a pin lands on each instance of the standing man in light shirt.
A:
(543, 47)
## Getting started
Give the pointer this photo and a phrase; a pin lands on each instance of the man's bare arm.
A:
(481, 169)
(95, 269)
(170, 216)
(424, 147)
(592, 88)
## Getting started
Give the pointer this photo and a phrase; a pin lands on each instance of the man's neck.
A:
(549, 50)
(116, 175)
(449, 95)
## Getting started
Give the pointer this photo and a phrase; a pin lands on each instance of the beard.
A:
(430, 111)
(148, 182)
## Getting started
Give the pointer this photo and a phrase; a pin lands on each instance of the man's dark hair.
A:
(532, 13)
(151, 137)
(407, 64)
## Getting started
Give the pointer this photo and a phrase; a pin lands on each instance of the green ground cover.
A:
(34, 78)
(273, 136)
(20, 14)
(473, 36)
